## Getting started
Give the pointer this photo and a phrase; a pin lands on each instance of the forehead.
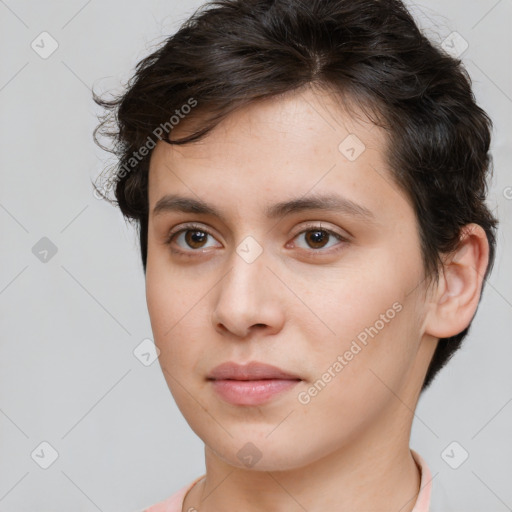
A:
(282, 146)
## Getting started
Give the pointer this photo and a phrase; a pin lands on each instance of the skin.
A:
(299, 307)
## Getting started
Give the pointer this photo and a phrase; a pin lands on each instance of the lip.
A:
(250, 371)
(251, 384)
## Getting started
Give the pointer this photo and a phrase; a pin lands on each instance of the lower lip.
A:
(251, 392)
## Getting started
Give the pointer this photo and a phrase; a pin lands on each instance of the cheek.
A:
(357, 375)
(173, 304)
(373, 332)
(174, 314)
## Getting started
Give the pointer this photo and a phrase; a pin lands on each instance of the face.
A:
(304, 255)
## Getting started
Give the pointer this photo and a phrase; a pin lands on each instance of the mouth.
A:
(251, 384)
(250, 371)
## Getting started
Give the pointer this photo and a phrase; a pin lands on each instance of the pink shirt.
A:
(175, 502)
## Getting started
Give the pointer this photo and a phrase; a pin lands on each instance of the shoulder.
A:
(423, 500)
(175, 502)
(434, 496)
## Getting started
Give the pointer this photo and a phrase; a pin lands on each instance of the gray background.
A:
(68, 375)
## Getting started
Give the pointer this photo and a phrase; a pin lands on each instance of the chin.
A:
(264, 455)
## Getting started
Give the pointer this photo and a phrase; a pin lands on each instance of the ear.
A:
(454, 301)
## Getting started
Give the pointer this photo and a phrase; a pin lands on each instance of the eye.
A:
(318, 237)
(194, 238)
(191, 238)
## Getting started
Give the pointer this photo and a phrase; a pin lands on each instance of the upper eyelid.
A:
(188, 227)
(309, 226)
(319, 225)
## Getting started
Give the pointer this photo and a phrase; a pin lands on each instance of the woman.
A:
(309, 183)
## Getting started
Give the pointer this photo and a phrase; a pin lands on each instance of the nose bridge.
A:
(244, 298)
(247, 273)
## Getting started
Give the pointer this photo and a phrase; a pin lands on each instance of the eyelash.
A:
(197, 227)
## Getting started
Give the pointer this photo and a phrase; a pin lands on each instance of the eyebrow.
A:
(328, 202)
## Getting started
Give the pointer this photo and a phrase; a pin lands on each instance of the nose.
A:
(246, 302)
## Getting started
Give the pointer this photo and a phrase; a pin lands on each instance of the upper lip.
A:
(250, 371)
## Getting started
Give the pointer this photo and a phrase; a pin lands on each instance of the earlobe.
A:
(455, 299)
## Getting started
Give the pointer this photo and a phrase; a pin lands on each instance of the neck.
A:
(376, 471)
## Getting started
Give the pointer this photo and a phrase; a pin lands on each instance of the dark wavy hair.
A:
(370, 53)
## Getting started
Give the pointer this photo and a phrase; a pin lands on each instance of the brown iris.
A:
(195, 238)
(317, 238)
